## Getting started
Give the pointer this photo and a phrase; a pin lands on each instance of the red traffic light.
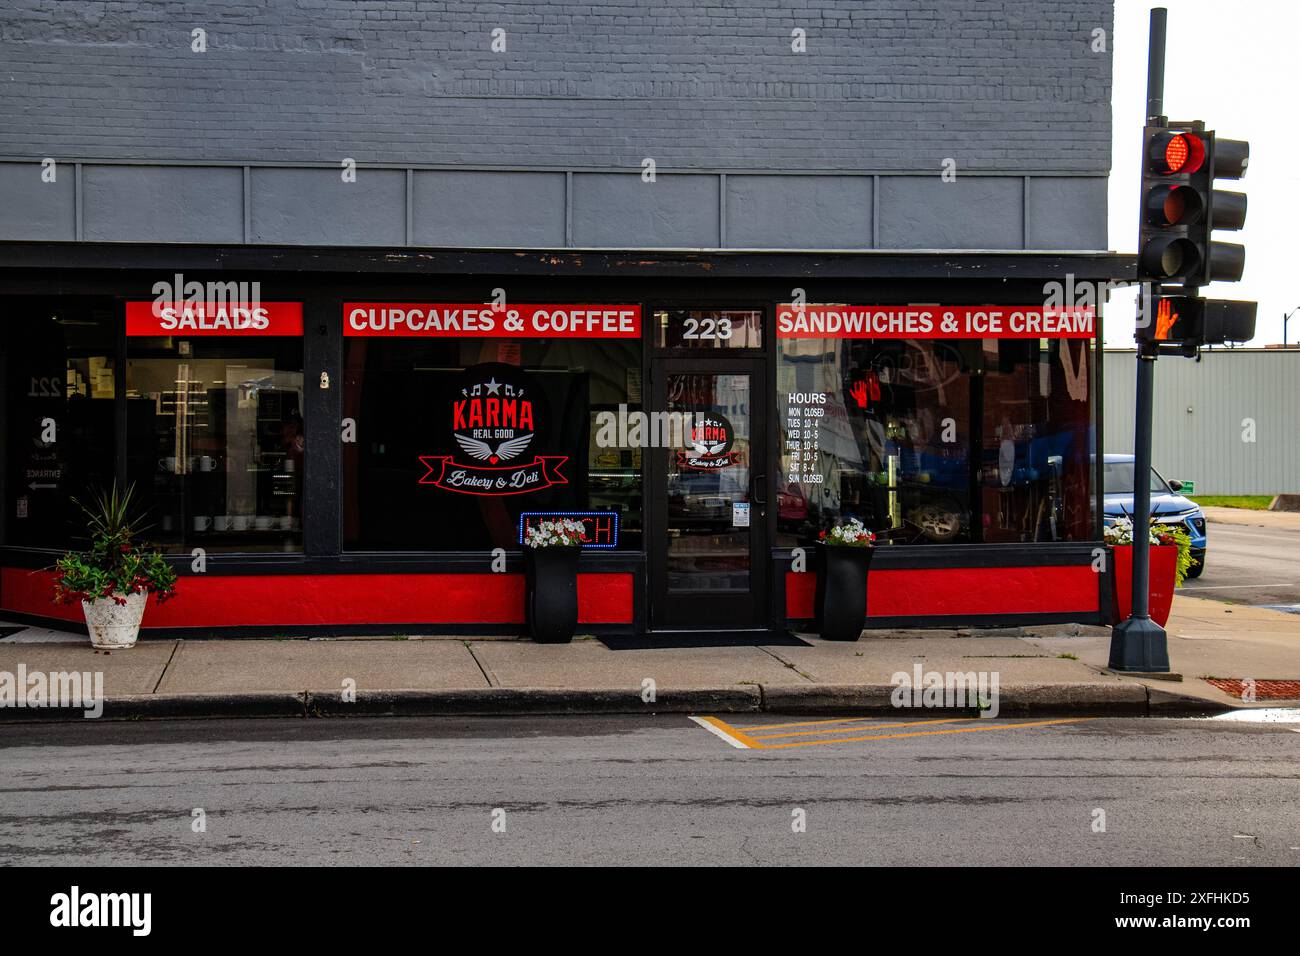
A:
(1174, 154)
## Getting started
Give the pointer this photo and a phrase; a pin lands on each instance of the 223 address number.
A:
(707, 329)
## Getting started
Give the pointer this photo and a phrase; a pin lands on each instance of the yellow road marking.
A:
(756, 743)
(851, 729)
(811, 723)
(925, 733)
(723, 729)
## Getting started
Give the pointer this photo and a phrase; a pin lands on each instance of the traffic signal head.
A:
(1192, 321)
(1181, 208)
(1172, 206)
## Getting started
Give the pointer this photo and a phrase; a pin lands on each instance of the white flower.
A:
(555, 532)
(852, 532)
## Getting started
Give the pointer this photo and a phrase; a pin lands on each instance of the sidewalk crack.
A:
(807, 677)
(170, 657)
(483, 668)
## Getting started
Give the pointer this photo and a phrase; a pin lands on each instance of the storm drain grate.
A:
(1264, 689)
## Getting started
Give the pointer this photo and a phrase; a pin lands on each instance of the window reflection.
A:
(705, 480)
(58, 369)
(935, 441)
(404, 395)
(215, 434)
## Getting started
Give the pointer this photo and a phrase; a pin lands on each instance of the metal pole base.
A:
(1139, 644)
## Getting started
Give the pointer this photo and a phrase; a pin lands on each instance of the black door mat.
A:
(665, 639)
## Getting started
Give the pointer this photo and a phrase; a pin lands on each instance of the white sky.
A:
(1251, 97)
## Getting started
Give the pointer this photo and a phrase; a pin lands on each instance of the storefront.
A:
(358, 446)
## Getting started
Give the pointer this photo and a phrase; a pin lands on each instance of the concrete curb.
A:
(1110, 699)
(1076, 700)
(533, 700)
(1163, 703)
(159, 706)
(827, 698)
(169, 706)
(1107, 699)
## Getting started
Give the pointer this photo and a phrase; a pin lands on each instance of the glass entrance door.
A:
(708, 546)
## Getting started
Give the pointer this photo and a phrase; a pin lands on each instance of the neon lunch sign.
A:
(599, 528)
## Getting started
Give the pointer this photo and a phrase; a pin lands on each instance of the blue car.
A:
(1167, 505)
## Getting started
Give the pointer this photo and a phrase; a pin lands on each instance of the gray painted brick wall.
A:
(589, 88)
(898, 84)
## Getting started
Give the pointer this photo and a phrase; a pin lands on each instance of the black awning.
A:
(604, 263)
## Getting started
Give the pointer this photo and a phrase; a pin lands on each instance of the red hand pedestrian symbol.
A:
(1166, 318)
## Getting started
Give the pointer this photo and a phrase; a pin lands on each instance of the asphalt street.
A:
(650, 790)
(1250, 565)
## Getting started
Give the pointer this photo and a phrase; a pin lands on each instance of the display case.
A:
(221, 443)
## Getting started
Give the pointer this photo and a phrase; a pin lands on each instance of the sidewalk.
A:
(1277, 520)
(442, 675)
(1211, 639)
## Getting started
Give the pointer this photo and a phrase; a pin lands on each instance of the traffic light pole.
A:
(1139, 643)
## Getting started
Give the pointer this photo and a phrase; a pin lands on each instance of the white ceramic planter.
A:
(114, 626)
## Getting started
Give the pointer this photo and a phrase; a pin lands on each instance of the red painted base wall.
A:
(382, 599)
(962, 592)
(336, 599)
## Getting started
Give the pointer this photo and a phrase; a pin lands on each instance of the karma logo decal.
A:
(710, 439)
(494, 423)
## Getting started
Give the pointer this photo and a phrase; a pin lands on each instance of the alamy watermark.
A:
(72, 690)
(1087, 294)
(637, 429)
(176, 290)
(952, 690)
(133, 911)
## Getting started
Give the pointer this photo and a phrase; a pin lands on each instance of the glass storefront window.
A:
(1037, 440)
(215, 440)
(932, 441)
(58, 381)
(456, 438)
(707, 551)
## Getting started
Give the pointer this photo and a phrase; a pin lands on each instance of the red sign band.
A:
(213, 318)
(542, 472)
(480, 320)
(934, 322)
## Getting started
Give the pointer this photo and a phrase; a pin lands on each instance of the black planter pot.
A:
(551, 593)
(841, 605)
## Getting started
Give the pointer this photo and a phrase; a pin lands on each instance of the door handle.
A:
(753, 490)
